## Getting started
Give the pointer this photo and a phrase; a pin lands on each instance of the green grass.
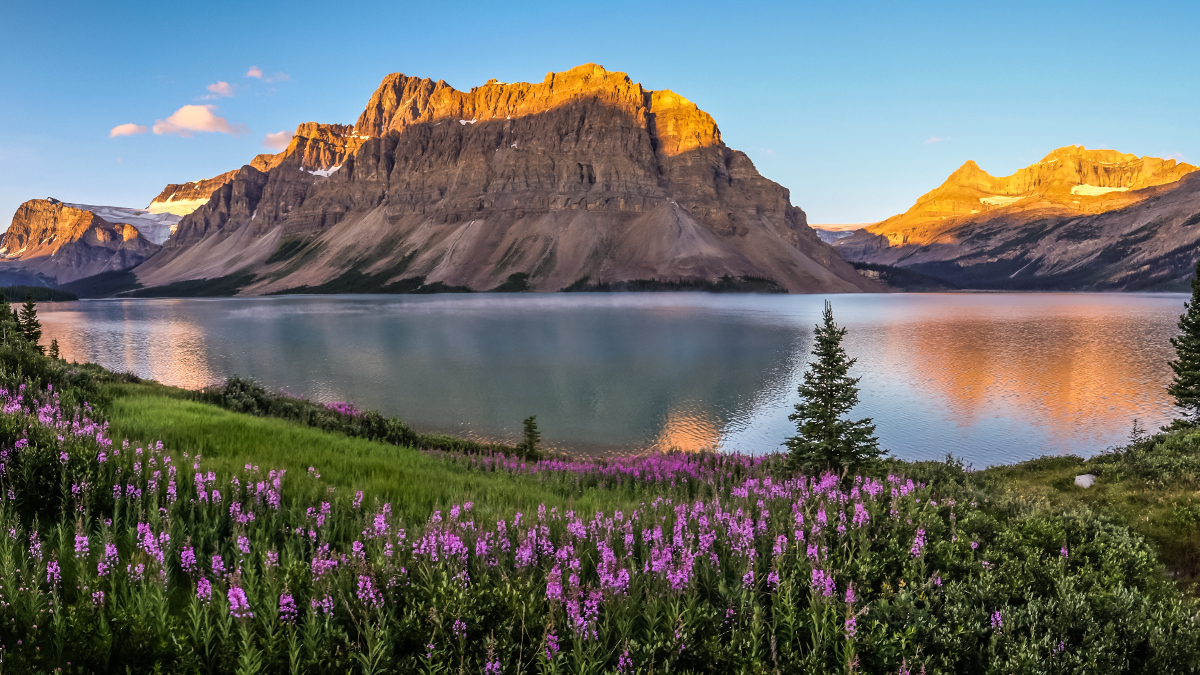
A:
(416, 484)
(1167, 516)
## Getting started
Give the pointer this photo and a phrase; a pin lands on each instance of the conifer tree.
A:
(1185, 387)
(54, 354)
(10, 323)
(31, 328)
(826, 441)
(532, 436)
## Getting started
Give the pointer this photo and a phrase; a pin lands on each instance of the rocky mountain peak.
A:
(1071, 179)
(61, 242)
(583, 178)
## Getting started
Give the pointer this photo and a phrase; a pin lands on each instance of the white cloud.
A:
(191, 118)
(278, 140)
(255, 71)
(219, 89)
(127, 130)
(934, 139)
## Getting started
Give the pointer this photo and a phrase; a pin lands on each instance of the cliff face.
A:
(584, 177)
(315, 146)
(61, 243)
(1077, 220)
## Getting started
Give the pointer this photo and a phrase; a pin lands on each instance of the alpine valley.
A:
(584, 181)
(1077, 220)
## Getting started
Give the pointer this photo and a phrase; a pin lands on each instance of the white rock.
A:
(1085, 481)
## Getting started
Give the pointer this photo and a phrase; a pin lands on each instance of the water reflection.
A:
(989, 377)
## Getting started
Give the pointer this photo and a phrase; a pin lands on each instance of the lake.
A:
(992, 378)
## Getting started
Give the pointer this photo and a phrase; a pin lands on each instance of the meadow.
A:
(156, 530)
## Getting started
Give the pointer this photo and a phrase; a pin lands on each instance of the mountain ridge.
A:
(584, 175)
(1077, 220)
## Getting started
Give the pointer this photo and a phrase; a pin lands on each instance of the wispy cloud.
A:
(278, 140)
(1177, 156)
(936, 139)
(219, 90)
(191, 118)
(257, 72)
(127, 130)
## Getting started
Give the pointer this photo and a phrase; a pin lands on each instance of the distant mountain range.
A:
(588, 181)
(583, 181)
(1077, 220)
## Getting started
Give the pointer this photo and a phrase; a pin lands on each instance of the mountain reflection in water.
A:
(990, 377)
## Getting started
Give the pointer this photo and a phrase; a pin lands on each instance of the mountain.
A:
(831, 233)
(50, 242)
(1077, 220)
(155, 227)
(584, 180)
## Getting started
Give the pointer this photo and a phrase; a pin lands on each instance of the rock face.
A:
(155, 227)
(59, 243)
(317, 146)
(584, 178)
(1077, 220)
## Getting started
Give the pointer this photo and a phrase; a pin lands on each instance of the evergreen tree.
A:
(10, 327)
(532, 437)
(31, 328)
(54, 349)
(825, 441)
(1185, 387)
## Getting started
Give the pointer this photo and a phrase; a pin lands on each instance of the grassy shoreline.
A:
(1167, 514)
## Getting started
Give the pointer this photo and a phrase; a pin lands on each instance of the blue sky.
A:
(856, 107)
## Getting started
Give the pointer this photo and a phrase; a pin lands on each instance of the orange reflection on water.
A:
(688, 429)
(170, 349)
(1079, 371)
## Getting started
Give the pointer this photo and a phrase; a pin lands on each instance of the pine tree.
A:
(8, 326)
(532, 437)
(1185, 387)
(54, 349)
(825, 441)
(31, 328)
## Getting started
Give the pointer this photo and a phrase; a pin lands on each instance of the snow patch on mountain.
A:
(1095, 190)
(180, 207)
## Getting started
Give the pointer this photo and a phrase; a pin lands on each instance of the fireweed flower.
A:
(239, 605)
(918, 544)
(459, 628)
(324, 605)
(287, 608)
(53, 575)
(187, 560)
(1063, 551)
(851, 628)
(204, 590)
(625, 663)
(370, 597)
(108, 561)
(551, 646)
(997, 621)
(81, 544)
